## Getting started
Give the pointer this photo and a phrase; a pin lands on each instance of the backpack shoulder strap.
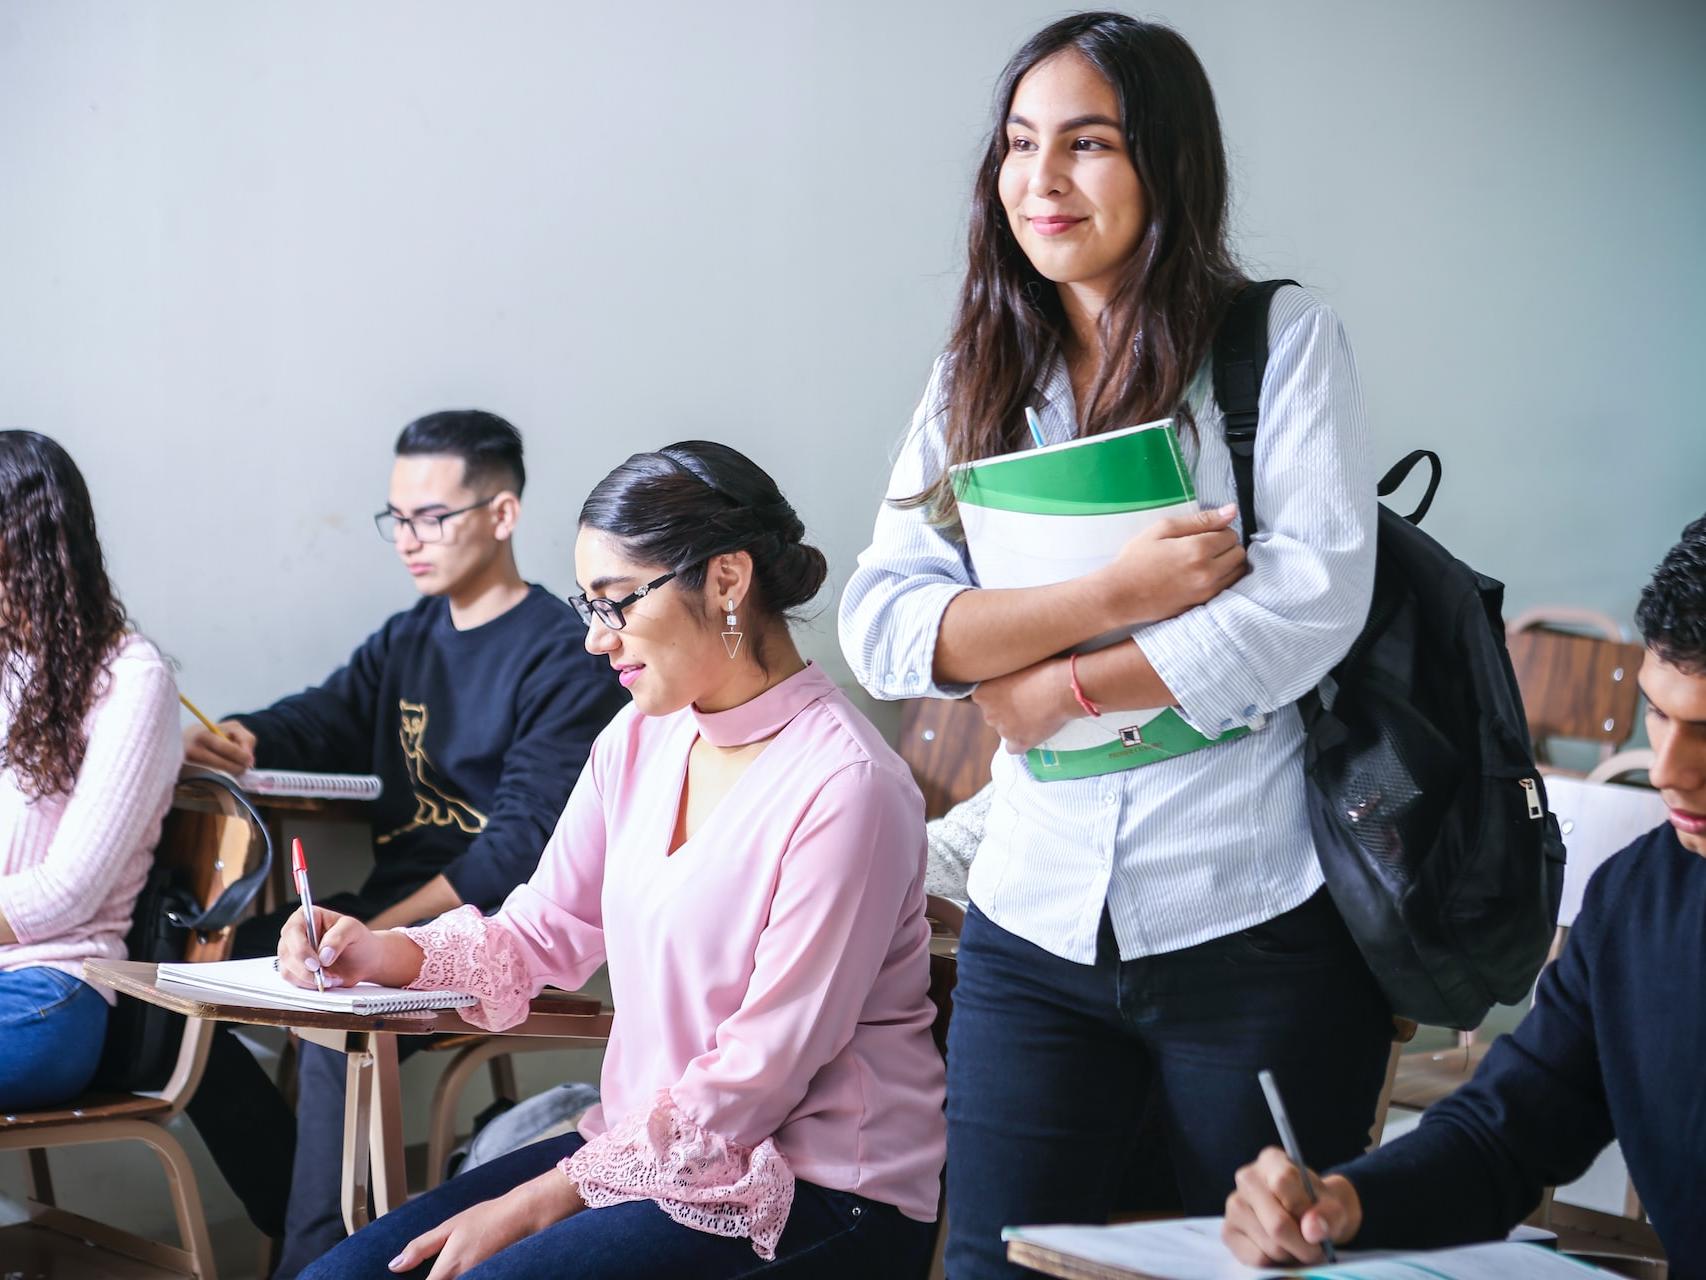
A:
(1240, 359)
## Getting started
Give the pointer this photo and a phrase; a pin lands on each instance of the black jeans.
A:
(1051, 1063)
(830, 1235)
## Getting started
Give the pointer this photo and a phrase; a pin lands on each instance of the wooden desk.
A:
(1034, 1257)
(373, 1120)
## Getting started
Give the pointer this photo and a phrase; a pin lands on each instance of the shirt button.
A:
(1108, 797)
(912, 677)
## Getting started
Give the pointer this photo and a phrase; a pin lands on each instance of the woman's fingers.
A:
(423, 1247)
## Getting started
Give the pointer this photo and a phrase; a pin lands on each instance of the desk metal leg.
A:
(373, 1122)
(358, 1109)
(385, 1119)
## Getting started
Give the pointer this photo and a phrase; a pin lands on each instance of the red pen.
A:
(299, 870)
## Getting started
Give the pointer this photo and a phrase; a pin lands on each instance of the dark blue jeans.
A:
(52, 1027)
(831, 1235)
(1052, 1064)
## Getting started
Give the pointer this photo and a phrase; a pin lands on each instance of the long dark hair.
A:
(60, 622)
(1159, 321)
(688, 502)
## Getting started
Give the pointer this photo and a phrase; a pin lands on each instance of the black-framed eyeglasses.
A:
(428, 528)
(609, 612)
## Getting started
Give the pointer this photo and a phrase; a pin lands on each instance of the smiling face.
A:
(669, 652)
(1676, 726)
(1067, 182)
(471, 543)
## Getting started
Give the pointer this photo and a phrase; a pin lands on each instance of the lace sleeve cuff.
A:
(698, 1178)
(462, 950)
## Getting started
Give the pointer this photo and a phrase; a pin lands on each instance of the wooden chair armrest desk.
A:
(373, 1121)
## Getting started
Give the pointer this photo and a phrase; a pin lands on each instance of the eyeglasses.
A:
(428, 528)
(609, 612)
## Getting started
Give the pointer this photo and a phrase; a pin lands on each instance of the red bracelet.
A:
(1090, 708)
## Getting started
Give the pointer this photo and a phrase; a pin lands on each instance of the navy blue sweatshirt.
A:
(478, 736)
(1615, 1046)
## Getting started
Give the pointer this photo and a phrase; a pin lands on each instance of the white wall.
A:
(242, 243)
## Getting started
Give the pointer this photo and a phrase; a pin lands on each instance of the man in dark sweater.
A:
(1614, 1047)
(476, 708)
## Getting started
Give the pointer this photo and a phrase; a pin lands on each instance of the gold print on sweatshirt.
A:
(434, 807)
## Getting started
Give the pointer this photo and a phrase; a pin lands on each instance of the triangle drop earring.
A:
(732, 637)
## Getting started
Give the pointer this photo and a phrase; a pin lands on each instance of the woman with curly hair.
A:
(89, 749)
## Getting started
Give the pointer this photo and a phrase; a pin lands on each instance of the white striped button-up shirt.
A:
(1196, 847)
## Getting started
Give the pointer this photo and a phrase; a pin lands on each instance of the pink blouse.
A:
(770, 977)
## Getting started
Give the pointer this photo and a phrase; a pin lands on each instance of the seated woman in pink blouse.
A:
(88, 753)
(747, 856)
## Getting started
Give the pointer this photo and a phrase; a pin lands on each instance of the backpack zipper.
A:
(1535, 810)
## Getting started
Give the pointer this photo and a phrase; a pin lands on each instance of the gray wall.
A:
(241, 244)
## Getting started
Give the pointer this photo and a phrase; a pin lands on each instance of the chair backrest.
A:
(210, 841)
(948, 746)
(1573, 685)
(1596, 820)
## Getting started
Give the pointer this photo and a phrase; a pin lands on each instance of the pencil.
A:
(197, 713)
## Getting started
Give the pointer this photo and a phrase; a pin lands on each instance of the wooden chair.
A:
(211, 843)
(948, 747)
(1596, 820)
(1577, 676)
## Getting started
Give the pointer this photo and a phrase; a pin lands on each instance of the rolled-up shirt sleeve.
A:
(891, 612)
(1273, 635)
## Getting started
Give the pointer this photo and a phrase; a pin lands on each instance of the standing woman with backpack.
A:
(1158, 934)
(89, 751)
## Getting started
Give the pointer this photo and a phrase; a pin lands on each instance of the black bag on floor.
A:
(1428, 813)
(142, 1039)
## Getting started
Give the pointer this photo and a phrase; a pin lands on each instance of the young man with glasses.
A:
(476, 708)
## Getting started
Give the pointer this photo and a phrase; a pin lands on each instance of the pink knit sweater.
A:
(71, 865)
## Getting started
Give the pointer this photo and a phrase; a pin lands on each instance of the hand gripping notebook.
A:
(259, 982)
(1042, 516)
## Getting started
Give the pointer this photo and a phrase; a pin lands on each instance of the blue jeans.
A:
(831, 1235)
(1052, 1064)
(52, 1027)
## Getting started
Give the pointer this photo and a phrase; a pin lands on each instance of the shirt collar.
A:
(767, 714)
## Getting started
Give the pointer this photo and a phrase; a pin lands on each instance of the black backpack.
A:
(1428, 813)
(142, 1041)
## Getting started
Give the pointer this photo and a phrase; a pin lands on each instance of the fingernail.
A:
(327, 955)
(332, 980)
(1230, 509)
(311, 964)
(396, 1264)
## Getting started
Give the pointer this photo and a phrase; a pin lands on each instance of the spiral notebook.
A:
(324, 786)
(259, 982)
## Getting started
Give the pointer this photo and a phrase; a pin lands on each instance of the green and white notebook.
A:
(258, 982)
(1046, 515)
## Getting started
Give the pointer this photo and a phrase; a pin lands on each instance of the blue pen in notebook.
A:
(1036, 425)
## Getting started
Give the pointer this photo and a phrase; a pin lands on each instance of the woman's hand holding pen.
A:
(1173, 565)
(349, 953)
(488, 1228)
(1269, 1219)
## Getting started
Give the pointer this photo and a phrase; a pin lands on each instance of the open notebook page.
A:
(259, 982)
(1191, 1249)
